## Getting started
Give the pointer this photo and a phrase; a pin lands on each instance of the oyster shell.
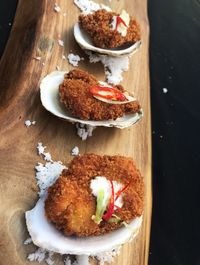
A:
(50, 100)
(46, 236)
(84, 41)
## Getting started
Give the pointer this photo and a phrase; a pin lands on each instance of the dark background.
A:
(175, 65)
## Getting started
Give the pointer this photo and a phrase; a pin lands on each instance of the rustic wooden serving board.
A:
(36, 30)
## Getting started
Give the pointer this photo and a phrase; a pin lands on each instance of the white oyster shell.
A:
(46, 236)
(84, 40)
(50, 100)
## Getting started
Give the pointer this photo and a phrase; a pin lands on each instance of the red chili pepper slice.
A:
(120, 21)
(122, 190)
(112, 205)
(110, 210)
(114, 94)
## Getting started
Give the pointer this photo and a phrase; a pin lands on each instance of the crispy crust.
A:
(98, 26)
(74, 94)
(70, 203)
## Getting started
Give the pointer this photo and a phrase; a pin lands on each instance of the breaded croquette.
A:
(99, 26)
(76, 96)
(70, 204)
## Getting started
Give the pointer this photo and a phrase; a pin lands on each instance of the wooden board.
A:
(35, 32)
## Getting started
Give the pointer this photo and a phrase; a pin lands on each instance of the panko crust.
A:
(70, 203)
(75, 95)
(98, 26)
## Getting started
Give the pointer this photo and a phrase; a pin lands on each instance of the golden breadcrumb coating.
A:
(70, 203)
(75, 95)
(98, 26)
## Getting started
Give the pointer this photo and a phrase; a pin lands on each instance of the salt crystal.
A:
(75, 151)
(64, 14)
(49, 260)
(64, 57)
(41, 148)
(41, 151)
(68, 261)
(107, 256)
(47, 156)
(57, 67)
(74, 59)
(88, 6)
(28, 241)
(37, 58)
(57, 8)
(165, 90)
(84, 131)
(47, 174)
(38, 255)
(29, 123)
(61, 43)
(114, 66)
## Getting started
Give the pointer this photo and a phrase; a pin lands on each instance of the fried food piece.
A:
(75, 95)
(98, 26)
(70, 203)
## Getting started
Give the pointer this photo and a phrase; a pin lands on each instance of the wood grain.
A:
(35, 32)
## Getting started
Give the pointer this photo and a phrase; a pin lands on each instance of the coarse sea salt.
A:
(29, 123)
(165, 90)
(37, 58)
(107, 257)
(74, 59)
(47, 174)
(28, 241)
(84, 131)
(57, 8)
(75, 151)
(87, 6)
(41, 255)
(61, 43)
(68, 261)
(113, 66)
(41, 151)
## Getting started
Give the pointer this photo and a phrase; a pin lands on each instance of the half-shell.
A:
(85, 43)
(46, 236)
(50, 100)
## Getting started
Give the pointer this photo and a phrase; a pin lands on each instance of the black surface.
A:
(7, 12)
(175, 65)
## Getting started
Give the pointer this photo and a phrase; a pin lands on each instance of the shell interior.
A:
(46, 236)
(85, 42)
(50, 100)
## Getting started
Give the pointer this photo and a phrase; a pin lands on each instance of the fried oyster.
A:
(76, 96)
(71, 206)
(99, 25)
